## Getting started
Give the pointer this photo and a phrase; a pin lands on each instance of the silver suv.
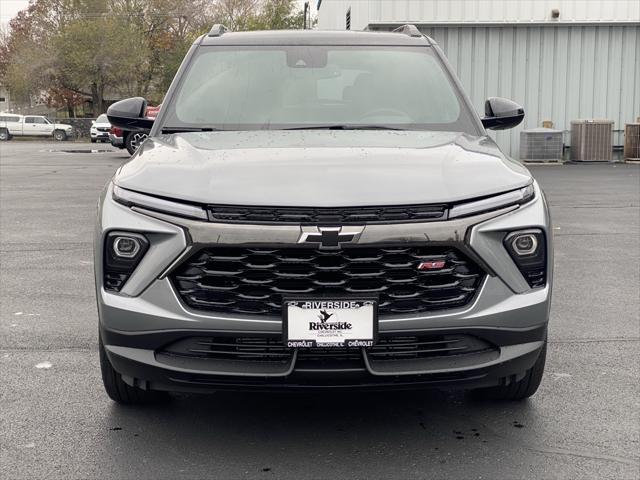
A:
(320, 210)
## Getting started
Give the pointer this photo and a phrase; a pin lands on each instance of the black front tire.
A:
(93, 140)
(521, 389)
(4, 135)
(134, 140)
(119, 391)
(60, 135)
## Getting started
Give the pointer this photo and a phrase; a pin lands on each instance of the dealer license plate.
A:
(330, 323)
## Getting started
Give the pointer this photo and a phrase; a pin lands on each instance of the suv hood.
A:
(321, 168)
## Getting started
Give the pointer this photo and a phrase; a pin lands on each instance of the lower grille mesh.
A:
(253, 349)
(247, 280)
(272, 349)
(413, 347)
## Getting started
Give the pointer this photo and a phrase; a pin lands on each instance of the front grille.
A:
(103, 129)
(326, 215)
(254, 281)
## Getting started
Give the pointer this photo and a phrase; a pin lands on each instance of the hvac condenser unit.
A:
(632, 141)
(541, 144)
(591, 140)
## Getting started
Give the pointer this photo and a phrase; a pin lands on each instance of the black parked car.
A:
(131, 140)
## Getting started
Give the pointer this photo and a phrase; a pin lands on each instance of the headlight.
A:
(126, 246)
(515, 197)
(131, 198)
(122, 254)
(529, 251)
(524, 244)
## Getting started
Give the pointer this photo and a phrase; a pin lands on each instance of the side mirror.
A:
(93, 122)
(501, 114)
(129, 114)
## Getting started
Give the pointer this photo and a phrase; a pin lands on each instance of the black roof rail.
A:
(408, 29)
(217, 30)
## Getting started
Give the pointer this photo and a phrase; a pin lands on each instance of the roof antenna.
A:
(408, 29)
(217, 30)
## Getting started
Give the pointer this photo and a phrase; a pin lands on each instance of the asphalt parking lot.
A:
(56, 421)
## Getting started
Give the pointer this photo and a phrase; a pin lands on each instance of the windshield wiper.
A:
(189, 129)
(345, 127)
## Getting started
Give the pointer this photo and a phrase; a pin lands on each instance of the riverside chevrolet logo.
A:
(330, 238)
(324, 316)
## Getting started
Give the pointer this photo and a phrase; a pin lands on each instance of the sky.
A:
(9, 8)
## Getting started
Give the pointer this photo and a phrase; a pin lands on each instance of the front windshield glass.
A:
(278, 87)
(102, 119)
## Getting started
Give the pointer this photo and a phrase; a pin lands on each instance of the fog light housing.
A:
(528, 250)
(122, 254)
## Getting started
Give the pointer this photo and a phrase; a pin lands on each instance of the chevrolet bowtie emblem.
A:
(330, 238)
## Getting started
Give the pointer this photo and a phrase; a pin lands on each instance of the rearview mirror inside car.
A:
(501, 114)
(129, 114)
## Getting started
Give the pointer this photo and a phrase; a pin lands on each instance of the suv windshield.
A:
(102, 119)
(279, 87)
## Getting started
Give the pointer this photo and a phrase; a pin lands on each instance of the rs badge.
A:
(432, 265)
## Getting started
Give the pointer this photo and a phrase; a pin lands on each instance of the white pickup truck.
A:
(12, 125)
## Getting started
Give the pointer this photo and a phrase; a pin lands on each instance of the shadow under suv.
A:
(320, 210)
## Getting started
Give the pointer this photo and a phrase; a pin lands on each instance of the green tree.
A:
(277, 15)
(24, 56)
(96, 54)
(75, 49)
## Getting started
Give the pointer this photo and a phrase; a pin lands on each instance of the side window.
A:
(39, 120)
(30, 120)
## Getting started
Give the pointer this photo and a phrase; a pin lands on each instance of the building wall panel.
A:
(331, 12)
(558, 72)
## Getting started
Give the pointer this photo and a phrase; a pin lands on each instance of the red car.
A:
(131, 140)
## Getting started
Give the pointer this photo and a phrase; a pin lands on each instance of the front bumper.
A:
(147, 315)
(142, 363)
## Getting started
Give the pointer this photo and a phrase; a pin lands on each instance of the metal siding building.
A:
(585, 64)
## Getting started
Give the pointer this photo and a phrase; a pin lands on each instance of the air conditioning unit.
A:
(541, 145)
(591, 140)
(632, 141)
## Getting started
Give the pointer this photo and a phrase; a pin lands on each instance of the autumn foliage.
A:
(77, 52)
